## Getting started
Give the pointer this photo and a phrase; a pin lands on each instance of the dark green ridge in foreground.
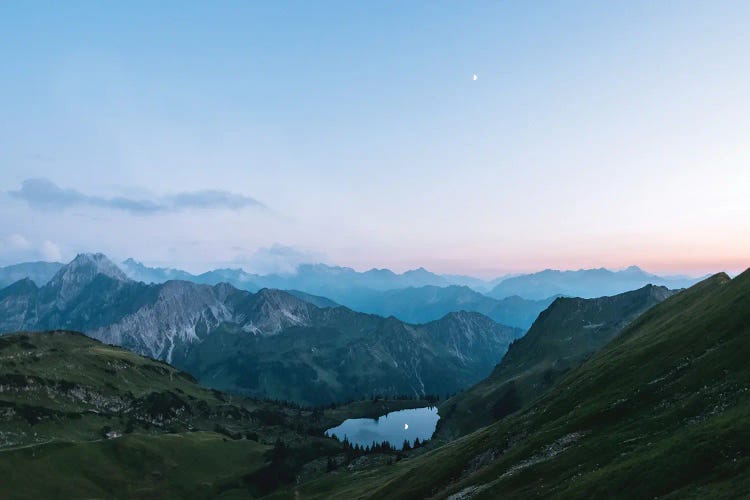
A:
(564, 335)
(82, 419)
(662, 411)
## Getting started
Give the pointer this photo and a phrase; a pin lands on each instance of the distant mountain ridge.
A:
(268, 343)
(320, 278)
(311, 278)
(38, 272)
(585, 283)
(427, 303)
(419, 296)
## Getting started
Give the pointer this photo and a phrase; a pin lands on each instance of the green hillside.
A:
(662, 411)
(82, 419)
(563, 336)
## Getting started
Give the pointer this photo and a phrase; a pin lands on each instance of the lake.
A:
(394, 427)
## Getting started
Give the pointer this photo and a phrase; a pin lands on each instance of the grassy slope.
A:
(190, 465)
(62, 385)
(561, 338)
(663, 410)
(60, 391)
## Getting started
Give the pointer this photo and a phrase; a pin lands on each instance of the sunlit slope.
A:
(663, 410)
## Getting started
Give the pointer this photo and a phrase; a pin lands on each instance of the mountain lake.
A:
(394, 427)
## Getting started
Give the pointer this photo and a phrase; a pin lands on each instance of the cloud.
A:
(50, 251)
(279, 259)
(15, 248)
(17, 242)
(214, 199)
(44, 194)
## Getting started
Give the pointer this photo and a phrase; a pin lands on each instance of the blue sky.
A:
(596, 134)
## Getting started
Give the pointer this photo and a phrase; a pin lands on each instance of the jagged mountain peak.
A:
(80, 272)
(270, 311)
(278, 297)
(97, 262)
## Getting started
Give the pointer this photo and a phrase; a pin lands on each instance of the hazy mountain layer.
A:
(586, 283)
(38, 272)
(427, 303)
(310, 278)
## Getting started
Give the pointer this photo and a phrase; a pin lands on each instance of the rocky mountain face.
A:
(270, 343)
(564, 335)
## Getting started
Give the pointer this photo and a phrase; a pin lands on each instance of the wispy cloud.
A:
(44, 194)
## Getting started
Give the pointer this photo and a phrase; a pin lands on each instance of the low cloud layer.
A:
(44, 194)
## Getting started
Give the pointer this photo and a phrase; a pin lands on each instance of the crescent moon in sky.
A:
(406, 426)
(474, 77)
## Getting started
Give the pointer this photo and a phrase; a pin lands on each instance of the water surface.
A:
(394, 427)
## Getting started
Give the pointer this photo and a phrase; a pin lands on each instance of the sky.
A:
(265, 134)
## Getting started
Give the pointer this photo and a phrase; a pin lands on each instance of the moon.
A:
(474, 77)
(406, 426)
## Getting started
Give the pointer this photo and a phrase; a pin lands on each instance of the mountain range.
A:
(585, 283)
(415, 296)
(269, 344)
(320, 279)
(337, 283)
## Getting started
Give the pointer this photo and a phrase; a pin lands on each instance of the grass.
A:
(61, 392)
(191, 465)
(563, 336)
